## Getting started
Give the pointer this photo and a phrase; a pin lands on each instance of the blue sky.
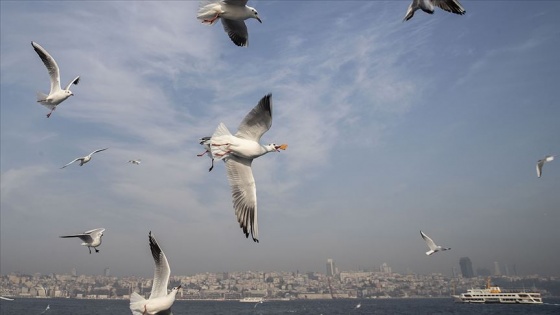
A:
(432, 124)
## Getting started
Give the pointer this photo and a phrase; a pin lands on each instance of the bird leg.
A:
(145, 310)
(49, 114)
(202, 154)
(96, 250)
(211, 167)
(89, 248)
(212, 19)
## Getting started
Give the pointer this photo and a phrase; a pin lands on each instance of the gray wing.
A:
(236, 2)
(95, 233)
(237, 31)
(244, 194)
(452, 6)
(51, 65)
(429, 241)
(161, 271)
(84, 237)
(72, 162)
(540, 164)
(257, 121)
(75, 81)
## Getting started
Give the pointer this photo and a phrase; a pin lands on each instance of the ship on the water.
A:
(252, 300)
(494, 294)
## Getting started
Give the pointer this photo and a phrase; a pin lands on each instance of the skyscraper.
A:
(331, 270)
(497, 271)
(466, 267)
(107, 272)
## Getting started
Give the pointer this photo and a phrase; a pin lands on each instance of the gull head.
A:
(175, 289)
(255, 14)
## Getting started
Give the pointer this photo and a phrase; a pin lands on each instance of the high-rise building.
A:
(331, 269)
(466, 267)
(107, 272)
(497, 271)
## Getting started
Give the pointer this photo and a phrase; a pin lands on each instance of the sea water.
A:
(298, 307)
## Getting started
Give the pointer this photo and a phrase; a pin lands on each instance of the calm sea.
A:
(385, 306)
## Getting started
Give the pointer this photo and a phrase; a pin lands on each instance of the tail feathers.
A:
(41, 97)
(137, 303)
(219, 142)
(208, 11)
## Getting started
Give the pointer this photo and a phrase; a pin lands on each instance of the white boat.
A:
(493, 294)
(252, 300)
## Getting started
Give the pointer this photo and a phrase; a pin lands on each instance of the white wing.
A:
(161, 271)
(97, 151)
(95, 233)
(258, 120)
(236, 2)
(429, 241)
(51, 65)
(244, 194)
(72, 162)
(237, 31)
(75, 81)
(86, 238)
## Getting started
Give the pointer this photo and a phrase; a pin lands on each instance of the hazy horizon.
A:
(432, 124)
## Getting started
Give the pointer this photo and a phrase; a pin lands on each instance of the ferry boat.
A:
(493, 294)
(252, 300)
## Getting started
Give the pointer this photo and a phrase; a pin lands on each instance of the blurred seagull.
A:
(46, 309)
(159, 300)
(233, 14)
(137, 162)
(84, 159)
(428, 6)
(206, 143)
(433, 247)
(56, 94)
(540, 164)
(238, 152)
(90, 238)
(6, 298)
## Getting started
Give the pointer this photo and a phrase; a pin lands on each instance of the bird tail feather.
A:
(219, 142)
(41, 97)
(137, 303)
(208, 10)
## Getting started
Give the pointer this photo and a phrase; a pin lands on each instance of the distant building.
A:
(466, 267)
(331, 269)
(385, 268)
(107, 272)
(74, 273)
(497, 271)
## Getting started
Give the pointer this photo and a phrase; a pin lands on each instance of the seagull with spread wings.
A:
(428, 6)
(56, 95)
(238, 152)
(91, 238)
(541, 162)
(433, 247)
(84, 159)
(159, 301)
(233, 14)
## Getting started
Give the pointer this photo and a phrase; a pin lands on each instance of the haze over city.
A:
(433, 124)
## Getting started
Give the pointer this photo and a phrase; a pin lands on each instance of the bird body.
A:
(428, 6)
(136, 162)
(238, 152)
(541, 162)
(84, 159)
(56, 94)
(432, 245)
(91, 238)
(233, 14)
(159, 300)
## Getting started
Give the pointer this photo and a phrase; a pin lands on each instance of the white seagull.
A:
(90, 238)
(205, 142)
(159, 300)
(238, 152)
(6, 298)
(56, 95)
(428, 6)
(233, 14)
(433, 247)
(84, 159)
(136, 162)
(540, 164)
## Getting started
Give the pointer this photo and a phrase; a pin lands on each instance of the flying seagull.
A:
(136, 162)
(433, 247)
(90, 238)
(540, 163)
(428, 6)
(159, 300)
(238, 152)
(46, 309)
(84, 159)
(206, 143)
(233, 14)
(56, 94)
(6, 298)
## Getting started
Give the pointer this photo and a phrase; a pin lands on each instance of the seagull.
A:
(206, 143)
(233, 14)
(46, 309)
(427, 6)
(91, 238)
(56, 94)
(84, 159)
(137, 162)
(540, 164)
(6, 298)
(433, 247)
(238, 152)
(159, 300)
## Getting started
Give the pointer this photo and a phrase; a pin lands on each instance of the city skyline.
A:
(433, 124)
